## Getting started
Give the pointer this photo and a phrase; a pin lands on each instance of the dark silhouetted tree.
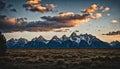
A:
(2, 45)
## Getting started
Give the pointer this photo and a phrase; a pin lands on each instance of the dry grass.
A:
(61, 59)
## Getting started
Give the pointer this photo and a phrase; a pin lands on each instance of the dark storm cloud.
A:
(113, 33)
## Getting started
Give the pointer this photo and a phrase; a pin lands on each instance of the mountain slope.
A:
(73, 41)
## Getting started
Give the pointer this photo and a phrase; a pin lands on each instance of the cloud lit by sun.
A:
(55, 16)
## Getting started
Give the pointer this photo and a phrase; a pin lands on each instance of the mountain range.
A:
(73, 41)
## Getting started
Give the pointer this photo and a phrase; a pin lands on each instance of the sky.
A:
(32, 18)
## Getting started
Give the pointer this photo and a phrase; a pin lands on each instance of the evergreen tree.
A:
(2, 44)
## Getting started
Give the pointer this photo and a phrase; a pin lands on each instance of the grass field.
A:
(61, 59)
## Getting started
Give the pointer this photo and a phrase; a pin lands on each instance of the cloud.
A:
(50, 23)
(108, 14)
(50, 6)
(91, 9)
(76, 31)
(114, 21)
(101, 8)
(113, 33)
(8, 24)
(5, 5)
(68, 19)
(34, 5)
(12, 20)
(9, 6)
(106, 9)
(2, 16)
(11, 24)
(2, 5)
(13, 10)
(94, 8)
(61, 30)
(65, 20)
(96, 16)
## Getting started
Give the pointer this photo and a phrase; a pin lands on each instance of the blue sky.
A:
(96, 27)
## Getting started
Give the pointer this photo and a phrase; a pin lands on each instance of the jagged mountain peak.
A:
(73, 34)
(73, 41)
(40, 38)
(55, 38)
(18, 40)
(12, 39)
(64, 37)
(21, 38)
(88, 37)
(114, 43)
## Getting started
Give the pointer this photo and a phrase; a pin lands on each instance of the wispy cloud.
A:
(113, 33)
(61, 30)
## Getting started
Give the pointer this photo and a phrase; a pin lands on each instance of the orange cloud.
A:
(34, 5)
(12, 20)
(106, 9)
(39, 8)
(98, 15)
(32, 2)
(51, 23)
(101, 8)
(91, 9)
(94, 8)
(51, 6)
(65, 14)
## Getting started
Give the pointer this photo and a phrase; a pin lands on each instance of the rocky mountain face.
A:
(115, 44)
(73, 41)
(16, 43)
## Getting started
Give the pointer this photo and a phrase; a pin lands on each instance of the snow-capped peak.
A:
(73, 34)
(64, 38)
(55, 38)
